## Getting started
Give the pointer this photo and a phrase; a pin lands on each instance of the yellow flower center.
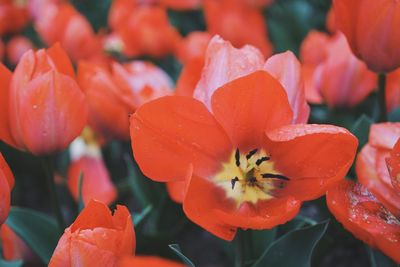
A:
(249, 177)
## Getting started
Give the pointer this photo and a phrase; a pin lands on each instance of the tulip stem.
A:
(382, 97)
(47, 163)
(239, 248)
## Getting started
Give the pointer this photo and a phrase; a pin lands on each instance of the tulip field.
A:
(207, 133)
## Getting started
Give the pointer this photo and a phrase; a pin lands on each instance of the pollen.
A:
(249, 177)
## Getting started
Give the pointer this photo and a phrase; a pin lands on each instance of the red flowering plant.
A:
(221, 132)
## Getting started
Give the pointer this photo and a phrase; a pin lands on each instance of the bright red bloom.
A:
(148, 261)
(16, 47)
(371, 167)
(13, 16)
(96, 238)
(42, 108)
(371, 30)
(144, 30)
(224, 63)
(244, 164)
(189, 77)
(334, 72)
(86, 160)
(64, 24)
(238, 23)
(393, 162)
(364, 216)
(13, 247)
(6, 184)
(331, 21)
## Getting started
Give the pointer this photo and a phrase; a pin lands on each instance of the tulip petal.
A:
(287, 70)
(5, 133)
(311, 156)
(372, 172)
(250, 105)
(61, 60)
(360, 213)
(148, 261)
(220, 215)
(95, 214)
(6, 171)
(224, 63)
(384, 135)
(53, 112)
(171, 134)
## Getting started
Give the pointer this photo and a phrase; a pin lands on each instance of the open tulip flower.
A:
(6, 184)
(365, 216)
(366, 24)
(371, 165)
(244, 164)
(42, 108)
(96, 238)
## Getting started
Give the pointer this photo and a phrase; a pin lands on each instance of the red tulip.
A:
(62, 23)
(371, 167)
(96, 238)
(86, 160)
(371, 30)
(238, 23)
(334, 72)
(145, 30)
(13, 16)
(42, 108)
(16, 47)
(6, 184)
(244, 164)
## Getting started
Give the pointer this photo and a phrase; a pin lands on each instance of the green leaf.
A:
(377, 259)
(4, 263)
(39, 231)
(136, 184)
(293, 249)
(138, 218)
(394, 116)
(361, 129)
(175, 248)
(81, 205)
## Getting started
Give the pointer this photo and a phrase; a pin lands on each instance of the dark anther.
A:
(233, 182)
(274, 176)
(237, 157)
(261, 160)
(251, 153)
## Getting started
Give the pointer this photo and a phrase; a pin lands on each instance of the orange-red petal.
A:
(372, 172)
(393, 163)
(173, 134)
(5, 132)
(364, 216)
(250, 105)
(311, 156)
(148, 261)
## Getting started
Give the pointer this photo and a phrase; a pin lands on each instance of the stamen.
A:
(251, 153)
(233, 182)
(237, 157)
(274, 176)
(261, 160)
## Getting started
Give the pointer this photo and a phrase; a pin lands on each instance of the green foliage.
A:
(177, 250)
(39, 231)
(293, 249)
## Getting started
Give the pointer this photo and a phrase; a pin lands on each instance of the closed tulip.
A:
(96, 238)
(42, 107)
(371, 28)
